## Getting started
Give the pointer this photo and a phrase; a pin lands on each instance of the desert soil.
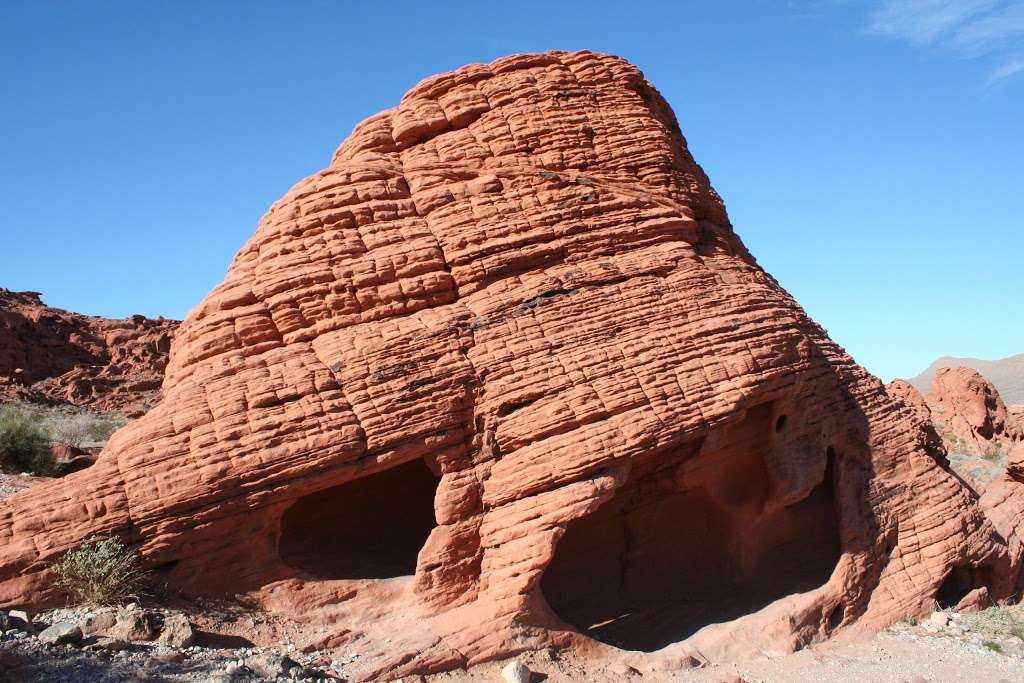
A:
(946, 648)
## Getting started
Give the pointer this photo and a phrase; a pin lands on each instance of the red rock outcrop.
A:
(969, 413)
(1005, 374)
(49, 355)
(501, 377)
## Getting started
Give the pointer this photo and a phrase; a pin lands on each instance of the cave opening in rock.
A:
(690, 541)
(367, 528)
(960, 581)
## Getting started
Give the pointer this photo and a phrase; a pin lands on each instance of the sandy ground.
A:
(903, 653)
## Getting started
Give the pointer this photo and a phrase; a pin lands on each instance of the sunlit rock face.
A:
(502, 376)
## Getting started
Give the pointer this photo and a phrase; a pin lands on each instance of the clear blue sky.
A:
(870, 152)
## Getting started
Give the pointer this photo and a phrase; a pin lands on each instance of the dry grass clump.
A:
(100, 572)
(79, 429)
(999, 622)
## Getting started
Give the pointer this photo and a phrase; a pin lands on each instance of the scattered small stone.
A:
(622, 669)
(108, 644)
(61, 633)
(21, 619)
(935, 622)
(100, 621)
(177, 631)
(516, 672)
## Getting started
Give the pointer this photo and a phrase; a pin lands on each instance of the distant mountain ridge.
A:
(1007, 374)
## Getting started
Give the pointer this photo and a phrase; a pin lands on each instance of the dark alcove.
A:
(368, 528)
(678, 549)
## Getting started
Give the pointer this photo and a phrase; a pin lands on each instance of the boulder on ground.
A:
(61, 633)
(176, 631)
(134, 624)
(516, 672)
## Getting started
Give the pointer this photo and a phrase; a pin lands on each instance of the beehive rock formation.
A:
(1005, 374)
(967, 407)
(502, 376)
(964, 415)
(49, 355)
(966, 410)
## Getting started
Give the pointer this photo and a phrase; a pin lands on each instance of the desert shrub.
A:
(100, 572)
(81, 428)
(24, 444)
(74, 430)
(103, 426)
(992, 453)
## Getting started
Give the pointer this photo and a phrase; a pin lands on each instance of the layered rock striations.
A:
(1005, 374)
(49, 355)
(969, 421)
(501, 377)
(966, 407)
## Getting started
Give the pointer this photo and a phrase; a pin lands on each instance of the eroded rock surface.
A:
(967, 407)
(49, 355)
(503, 377)
(970, 420)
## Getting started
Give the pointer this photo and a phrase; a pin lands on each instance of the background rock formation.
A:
(966, 405)
(48, 355)
(511, 330)
(969, 421)
(1006, 374)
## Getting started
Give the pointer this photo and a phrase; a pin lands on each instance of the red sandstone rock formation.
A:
(969, 413)
(977, 430)
(1016, 414)
(1005, 374)
(502, 376)
(53, 356)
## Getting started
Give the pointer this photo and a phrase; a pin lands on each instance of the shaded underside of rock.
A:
(501, 377)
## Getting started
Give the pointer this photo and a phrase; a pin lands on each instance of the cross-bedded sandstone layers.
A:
(502, 375)
(977, 429)
(54, 356)
(968, 408)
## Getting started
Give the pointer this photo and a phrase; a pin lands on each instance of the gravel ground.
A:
(945, 648)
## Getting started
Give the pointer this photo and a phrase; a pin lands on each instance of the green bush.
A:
(24, 445)
(100, 572)
(103, 427)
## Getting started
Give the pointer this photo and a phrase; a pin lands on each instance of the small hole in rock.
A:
(780, 423)
(835, 619)
(164, 567)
